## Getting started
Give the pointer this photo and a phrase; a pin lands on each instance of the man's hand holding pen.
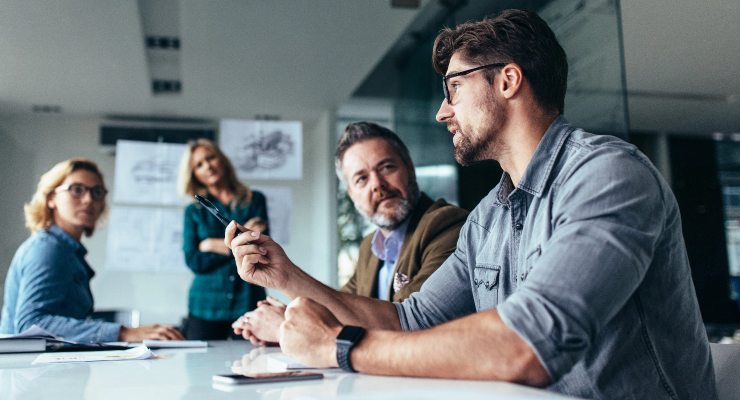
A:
(259, 259)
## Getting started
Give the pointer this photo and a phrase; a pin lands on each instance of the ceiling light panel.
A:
(160, 22)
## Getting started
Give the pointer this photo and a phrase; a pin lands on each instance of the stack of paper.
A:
(32, 339)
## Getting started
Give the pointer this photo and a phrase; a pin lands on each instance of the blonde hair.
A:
(37, 211)
(189, 185)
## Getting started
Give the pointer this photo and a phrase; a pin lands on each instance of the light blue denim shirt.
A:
(585, 260)
(387, 249)
(48, 284)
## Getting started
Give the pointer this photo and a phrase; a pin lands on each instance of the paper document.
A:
(137, 353)
(34, 331)
(174, 344)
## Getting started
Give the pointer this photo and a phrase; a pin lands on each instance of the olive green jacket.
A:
(430, 238)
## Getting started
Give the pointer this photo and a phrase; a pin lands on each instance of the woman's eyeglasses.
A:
(78, 190)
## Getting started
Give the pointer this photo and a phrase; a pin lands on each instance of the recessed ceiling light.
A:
(46, 108)
(405, 3)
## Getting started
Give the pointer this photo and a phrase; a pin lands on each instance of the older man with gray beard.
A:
(415, 234)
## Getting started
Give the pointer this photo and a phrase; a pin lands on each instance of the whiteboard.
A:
(146, 173)
(263, 149)
(278, 211)
(145, 239)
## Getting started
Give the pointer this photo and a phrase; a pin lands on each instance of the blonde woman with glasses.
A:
(218, 296)
(48, 283)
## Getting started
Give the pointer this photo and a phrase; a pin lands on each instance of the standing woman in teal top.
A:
(218, 296)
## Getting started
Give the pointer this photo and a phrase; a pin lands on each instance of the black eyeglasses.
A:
(77, 190)
(448, 96)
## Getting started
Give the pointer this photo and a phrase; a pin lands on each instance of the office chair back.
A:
(726, 359)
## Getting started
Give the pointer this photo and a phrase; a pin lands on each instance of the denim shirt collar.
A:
(79, 250)
(64, 237)
(540, 166)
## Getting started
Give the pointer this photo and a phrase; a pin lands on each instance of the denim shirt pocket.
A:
(486, 284)
(531, 257)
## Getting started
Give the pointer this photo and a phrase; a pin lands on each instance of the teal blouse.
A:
(218, 293)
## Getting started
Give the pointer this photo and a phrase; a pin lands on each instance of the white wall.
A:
(30, 145)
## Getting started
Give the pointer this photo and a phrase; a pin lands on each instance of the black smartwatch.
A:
(348, 337)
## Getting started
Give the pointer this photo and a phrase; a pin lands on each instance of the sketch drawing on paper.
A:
(269, 151)
(146, 173)
(145, 239)
(278, 211)
(263, 149)
(150, 171)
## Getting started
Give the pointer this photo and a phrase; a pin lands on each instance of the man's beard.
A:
(472, 146)
(398, 216)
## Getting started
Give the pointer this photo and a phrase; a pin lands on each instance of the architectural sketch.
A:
(145, 239)
(268, 151)
(146, 173)
(263, 149)
(149, 171)
(278, 211)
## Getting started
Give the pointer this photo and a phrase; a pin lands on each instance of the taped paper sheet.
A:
(145, 239)
(146, 173)
(278, 212)
(263, 149)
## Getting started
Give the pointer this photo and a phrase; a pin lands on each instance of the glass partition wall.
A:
(404, 92)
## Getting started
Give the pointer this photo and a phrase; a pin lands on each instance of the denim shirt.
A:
(387, 249)
(585, 260)
(48, 284)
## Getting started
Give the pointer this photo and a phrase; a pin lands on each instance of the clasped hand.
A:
(308, 333)
(309, 329)
(262, 325)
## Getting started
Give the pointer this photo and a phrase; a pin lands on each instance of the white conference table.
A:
(187, 374)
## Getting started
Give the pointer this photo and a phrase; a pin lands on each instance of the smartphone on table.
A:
(268, 377)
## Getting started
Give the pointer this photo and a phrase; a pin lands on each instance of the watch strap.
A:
(343, 357)
(348, 338)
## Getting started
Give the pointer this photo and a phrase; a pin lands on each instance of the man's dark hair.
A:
(362, 131)
(513, 36)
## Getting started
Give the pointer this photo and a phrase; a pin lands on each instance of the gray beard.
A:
(403, 211)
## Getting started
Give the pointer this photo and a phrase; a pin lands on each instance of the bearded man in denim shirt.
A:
(571, 274)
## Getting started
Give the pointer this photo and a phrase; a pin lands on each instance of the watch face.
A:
(350, 334)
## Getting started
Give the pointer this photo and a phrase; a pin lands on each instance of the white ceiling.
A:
(239, 58)
(297, 58)
(682, 59)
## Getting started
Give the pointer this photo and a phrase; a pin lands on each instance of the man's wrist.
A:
(296, 282)
(347, 338)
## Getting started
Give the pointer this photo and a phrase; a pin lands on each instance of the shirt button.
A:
(231, 278)
(519, 226)
(229, 296)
